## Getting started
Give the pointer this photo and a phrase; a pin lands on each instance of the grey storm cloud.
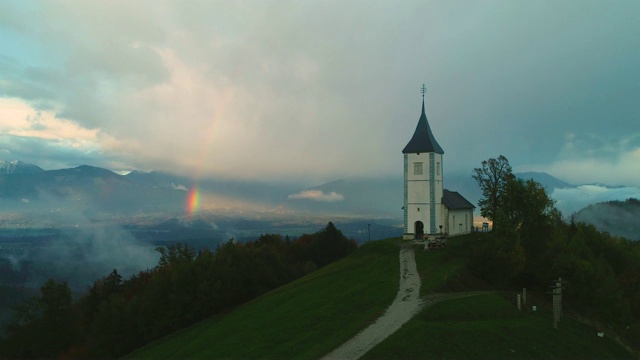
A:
(316, 90)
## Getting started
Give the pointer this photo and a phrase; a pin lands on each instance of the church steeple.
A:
(423, 140)
(429, 210)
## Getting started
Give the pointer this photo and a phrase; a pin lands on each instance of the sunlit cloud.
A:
(39, 136)
(20, 119)
(317, 195)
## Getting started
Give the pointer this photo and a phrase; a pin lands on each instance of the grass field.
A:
(487, 326)
(435, 268)
(305, 319)
(315, 314)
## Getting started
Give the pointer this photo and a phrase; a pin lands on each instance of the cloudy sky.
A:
(312, 91)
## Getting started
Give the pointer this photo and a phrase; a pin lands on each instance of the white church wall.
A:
(444, 219)
(421, 171)
(460, 221)
(418, 213)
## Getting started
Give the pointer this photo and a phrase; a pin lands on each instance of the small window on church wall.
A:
(417, 168)
(437, 168)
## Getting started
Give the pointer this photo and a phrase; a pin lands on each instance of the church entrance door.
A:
(419, 230)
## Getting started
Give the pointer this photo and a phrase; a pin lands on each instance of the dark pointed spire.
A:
(423, 139)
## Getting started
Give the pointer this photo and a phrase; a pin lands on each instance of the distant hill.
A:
(549, 181)
(87, 189)
(26, 186)
(352, 195)
(620, 218)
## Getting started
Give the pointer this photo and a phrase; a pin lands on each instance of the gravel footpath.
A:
(406, 304)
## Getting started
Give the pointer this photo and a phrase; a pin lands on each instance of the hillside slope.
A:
(619, 218)
(314, 315)
(304, 319)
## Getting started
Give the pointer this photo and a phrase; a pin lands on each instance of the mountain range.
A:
(96, 191)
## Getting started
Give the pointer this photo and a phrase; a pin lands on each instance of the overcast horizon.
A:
(318, 90)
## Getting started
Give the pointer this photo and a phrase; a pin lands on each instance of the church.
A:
(429, 209)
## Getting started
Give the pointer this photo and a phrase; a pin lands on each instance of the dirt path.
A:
(406, 304)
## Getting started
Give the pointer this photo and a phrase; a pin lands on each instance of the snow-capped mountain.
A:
(18, 167)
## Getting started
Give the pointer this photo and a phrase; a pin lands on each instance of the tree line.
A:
(118, 315)
(531, 245)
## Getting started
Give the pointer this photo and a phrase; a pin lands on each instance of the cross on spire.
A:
(423, 90)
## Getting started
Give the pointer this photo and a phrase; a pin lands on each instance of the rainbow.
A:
(193, 200)
(194, 194)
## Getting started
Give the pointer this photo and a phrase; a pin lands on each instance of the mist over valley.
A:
(78, 224)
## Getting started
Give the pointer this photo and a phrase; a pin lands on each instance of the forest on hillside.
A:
(530, 246)
(117, 315)
(621, 218)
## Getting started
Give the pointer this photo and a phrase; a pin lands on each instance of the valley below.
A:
(87, 249)
(80, 253)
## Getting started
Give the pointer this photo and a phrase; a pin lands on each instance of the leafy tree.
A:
(629, 282)
(528, 211)
(99, 292)
(492, 177)
(44, 325)
(525, 204)
(520, 209)
(498, 259)
(331, 245)
(114, 328)
(175, 254)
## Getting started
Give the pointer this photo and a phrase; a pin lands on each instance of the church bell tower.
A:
(422, 181)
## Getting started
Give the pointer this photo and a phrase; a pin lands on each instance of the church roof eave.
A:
(454, 201)
(423, 140)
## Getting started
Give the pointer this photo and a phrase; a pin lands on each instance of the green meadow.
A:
(304, 319)
(487, 326)
(310, 317)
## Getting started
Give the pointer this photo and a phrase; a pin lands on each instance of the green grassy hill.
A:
(304, 319)
(315, 314)
(487, 326)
